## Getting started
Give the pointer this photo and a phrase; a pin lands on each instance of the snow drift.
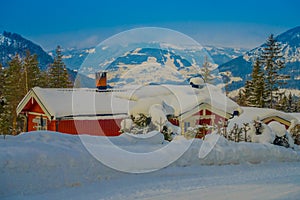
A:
(38, 161)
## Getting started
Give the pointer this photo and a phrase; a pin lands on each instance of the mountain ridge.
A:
(13, 43)
(240, 68)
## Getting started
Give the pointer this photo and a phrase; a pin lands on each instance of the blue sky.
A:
(86, 23)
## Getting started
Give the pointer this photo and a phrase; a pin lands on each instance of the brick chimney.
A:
(101, 81)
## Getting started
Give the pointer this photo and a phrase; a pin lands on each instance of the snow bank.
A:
(154, 137)
(36, 162)
(227, 152)
(219, 151)
(42, 161)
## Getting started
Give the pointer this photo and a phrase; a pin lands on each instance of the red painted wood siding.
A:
(209, 121)
(30, 125)
(104, 127)
(174, 121)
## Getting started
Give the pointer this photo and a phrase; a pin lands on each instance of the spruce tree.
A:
(257, 93)
(3, 121)
(58, 76)
(290, 103)
(31, 71)
(1, 80)
(248, 93)
(241, 98)
(13, 92)
(297, 106)
(273, 63)
(282, 103)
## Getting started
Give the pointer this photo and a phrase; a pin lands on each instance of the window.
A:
(186, 126)
(40, 123)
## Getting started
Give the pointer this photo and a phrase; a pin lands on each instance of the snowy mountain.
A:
(183, 59)
(12, 44)
(221, 55)
(166, 63)
(239, 69)
(73, 58)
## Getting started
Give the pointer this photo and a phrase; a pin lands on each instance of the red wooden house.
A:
(73, 111)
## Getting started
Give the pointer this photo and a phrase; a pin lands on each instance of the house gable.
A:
(205, 110)
(32, 106)
(32, 103)
(285, 122)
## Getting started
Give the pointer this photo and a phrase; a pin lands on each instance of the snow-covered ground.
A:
(49, 165)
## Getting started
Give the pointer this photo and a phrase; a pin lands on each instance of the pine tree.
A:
(3, 121)
(273, 63)
(1, 80)
(13, 92)
(31, 71)
(241, 98)
(248, 93)
(282, 103)
(257, 93)
(290, 103)
(205, 72)
(58, 76)
(297, 106)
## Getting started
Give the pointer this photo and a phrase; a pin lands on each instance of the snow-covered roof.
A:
(183, 98)
(253, 113)
(78, 102)
(82, 102)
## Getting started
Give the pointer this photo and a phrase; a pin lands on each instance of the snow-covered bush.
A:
(126, 125)
(282, 136)
(238, 134)
(139, 124)
(261, 133)
(158, 116)
(141, 120)
(198, 131)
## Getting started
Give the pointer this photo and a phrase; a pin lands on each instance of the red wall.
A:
(208, 121)
(107, 127)
(30, 124)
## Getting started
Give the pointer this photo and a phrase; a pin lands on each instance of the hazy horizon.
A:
(83, 24)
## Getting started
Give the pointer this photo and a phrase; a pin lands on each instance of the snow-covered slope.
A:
(73, 58)
(241, 66)
(221, 55)
(12, 44)
(183, 61)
